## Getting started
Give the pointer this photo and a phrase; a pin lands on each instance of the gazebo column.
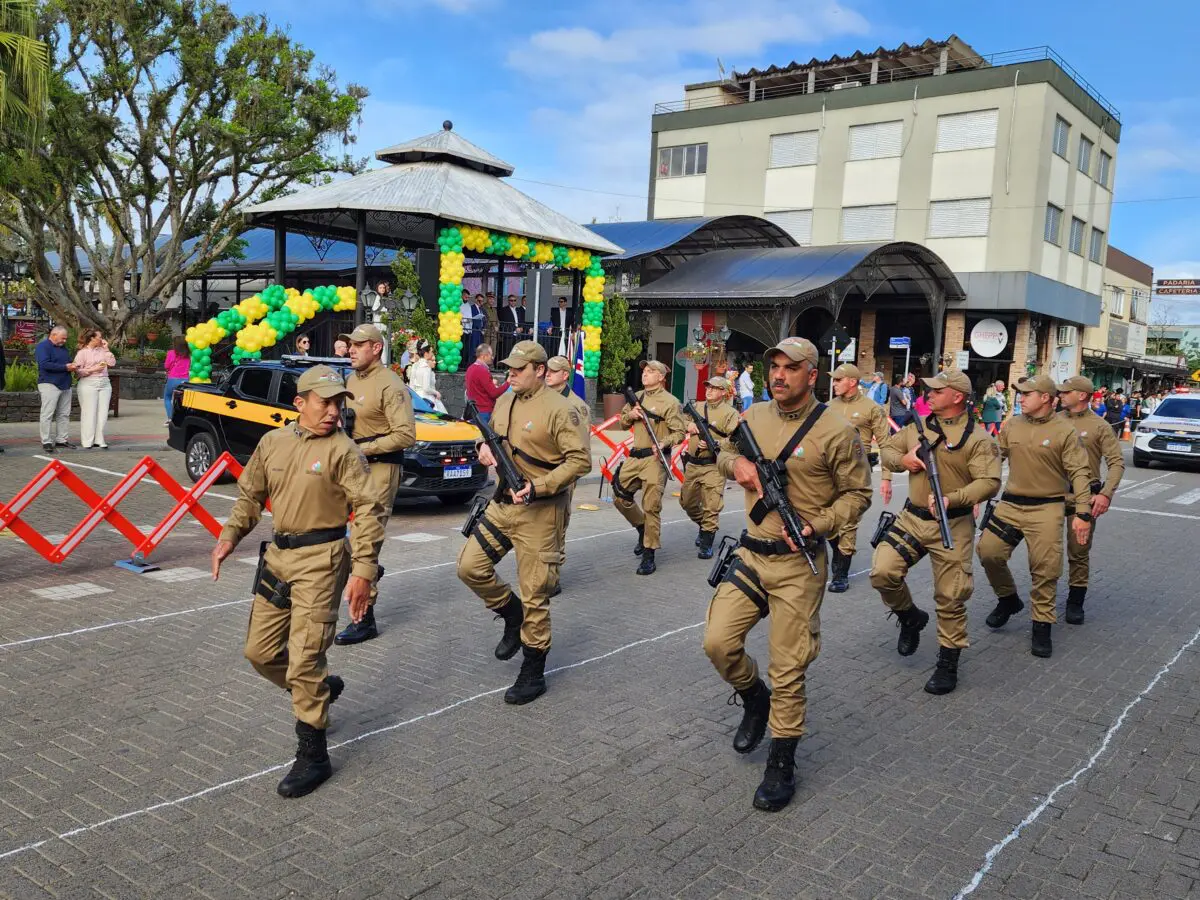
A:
(280, 250)
(360, 266)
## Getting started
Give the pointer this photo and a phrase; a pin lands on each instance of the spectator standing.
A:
(1150, 404)
(745, 384)
(341, 348)
(95, 390)
(920, 404)
(878, 390)
(898, 403)
(482, 390)
(54, 385)
(472, 321)
(422, 379)
(1114, 412)
(513, 319)
(1005, 406)
(491, 318)
(993, 410)
(178, 365)
(302, 345)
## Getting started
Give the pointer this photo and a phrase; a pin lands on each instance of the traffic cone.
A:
(1125, 435)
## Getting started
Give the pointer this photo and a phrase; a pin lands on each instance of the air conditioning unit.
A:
(847, 84)
(1066, 335)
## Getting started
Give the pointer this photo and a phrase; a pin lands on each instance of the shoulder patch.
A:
(574, 415)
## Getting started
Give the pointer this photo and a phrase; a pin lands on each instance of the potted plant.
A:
(150, 362)
(617, 350)
(15, 348)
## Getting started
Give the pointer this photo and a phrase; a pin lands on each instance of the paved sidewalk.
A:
(140, 426)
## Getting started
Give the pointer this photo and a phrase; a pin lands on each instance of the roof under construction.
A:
(905, 61)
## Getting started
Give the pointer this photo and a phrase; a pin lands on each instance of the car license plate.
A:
(456, 472)
(1180, 448)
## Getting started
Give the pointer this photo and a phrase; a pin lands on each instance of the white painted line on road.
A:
(1153, 512)
(1033, 816)
(1127, 485)
(418, 537)
(1186, 499)
(107, 625)
(248, 560)
(179, 573)
(1145, 492)
(72, 591)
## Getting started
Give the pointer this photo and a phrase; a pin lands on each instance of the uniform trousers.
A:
(1041, 529)
(793, 597)
(648, 476)
(703, 495)
(384, 478)
(534, 531)
(287, 646)
(952, 577)
(1079, 567)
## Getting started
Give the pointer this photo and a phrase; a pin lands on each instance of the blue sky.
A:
(564, 91)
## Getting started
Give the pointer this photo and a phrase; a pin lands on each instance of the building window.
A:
(1105, 170)
(1118, 302)
(959, 218)
(796, 222)
(1085, 155)
(876, 141)
(1096, 251)
(1076, 240)
(1053, 224)
(689, 159)
(967, 131)
(1140, 310)
(1062, 133)
(798, 148)
(869, 223)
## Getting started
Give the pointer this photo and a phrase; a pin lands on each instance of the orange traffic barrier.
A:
(1126, 435)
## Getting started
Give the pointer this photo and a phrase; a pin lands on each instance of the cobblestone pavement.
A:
(140, 752)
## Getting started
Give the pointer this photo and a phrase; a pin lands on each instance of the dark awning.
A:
(1106, 360)
(683, 238)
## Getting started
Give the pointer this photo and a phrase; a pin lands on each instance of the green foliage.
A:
(758, 375)
(424, 324)
(24, 71)
(404, 274)
(20, 377)
(618, 347)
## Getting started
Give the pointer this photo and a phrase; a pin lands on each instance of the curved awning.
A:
(679, 239)
(792, 275)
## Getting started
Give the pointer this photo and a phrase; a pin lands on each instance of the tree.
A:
(1159, 340)
(24, 70)
(618, 348)
(167, 117)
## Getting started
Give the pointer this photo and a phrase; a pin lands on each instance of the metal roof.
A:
(678, 239)
(921, 56)
(783, 275)
(445, 145)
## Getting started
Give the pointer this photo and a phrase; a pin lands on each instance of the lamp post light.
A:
(709, 346)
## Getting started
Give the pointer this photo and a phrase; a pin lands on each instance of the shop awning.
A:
(1139, 364)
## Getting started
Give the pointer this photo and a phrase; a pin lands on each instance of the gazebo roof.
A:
(438, 178)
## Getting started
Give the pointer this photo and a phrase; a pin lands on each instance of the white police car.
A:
(1170, 433)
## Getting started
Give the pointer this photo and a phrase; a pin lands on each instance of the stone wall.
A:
(139, 385)
(27, 406)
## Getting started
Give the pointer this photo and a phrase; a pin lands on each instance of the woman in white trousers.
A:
(95, 390)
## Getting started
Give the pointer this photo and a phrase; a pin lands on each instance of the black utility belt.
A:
(503, 497)
(770, 548)
(642, 453)
(309, 538)
(954, 512)
(690, 460)
(396, 457)
(1030, 501)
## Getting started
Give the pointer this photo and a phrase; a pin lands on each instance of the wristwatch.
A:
(1085, 516)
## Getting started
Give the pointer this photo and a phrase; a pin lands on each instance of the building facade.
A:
(1115, 348)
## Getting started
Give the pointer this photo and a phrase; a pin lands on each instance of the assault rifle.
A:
(706, 434)
(926, 455)
(632, 400)
(773, 476)
(510, 476)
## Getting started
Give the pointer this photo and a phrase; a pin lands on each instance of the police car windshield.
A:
(1179, 408)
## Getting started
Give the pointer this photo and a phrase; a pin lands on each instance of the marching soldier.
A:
(1100, 444)
(869, 421)
(543, 432)
(969, 468)
(703, 494)
(314, 475)
(558, 374)
(829, 487)
(643, 470)
(1043, 453)
(383, 427)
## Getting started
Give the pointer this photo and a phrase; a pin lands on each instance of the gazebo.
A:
(442, 192)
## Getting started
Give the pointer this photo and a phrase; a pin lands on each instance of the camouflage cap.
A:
(796, 349)
(322, 381)
(362, 334)
(523, 353)
(950, 378)
(1040, 384)
(845, 370)
(656, 365)
(559, 364)
(721, 384)
(1077, 383)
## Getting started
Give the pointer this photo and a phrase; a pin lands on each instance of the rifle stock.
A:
(706, 434)
(927, 456)
(632, 400)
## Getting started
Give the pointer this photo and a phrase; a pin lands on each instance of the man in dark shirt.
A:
(898, 402)
(54, 384)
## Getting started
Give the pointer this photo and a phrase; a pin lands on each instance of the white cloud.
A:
(1156, 143)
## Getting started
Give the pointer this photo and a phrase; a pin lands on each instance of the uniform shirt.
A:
(969, 469)
(382, 410)
(1041, 453)
(313, 482)
(829, 481)
(540, 424)
(669, 428)
(720, 416)
(1099, 443)
(585, 417)
(867, 418)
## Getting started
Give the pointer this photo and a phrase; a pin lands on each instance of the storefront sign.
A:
(962, 359)
(989, 337)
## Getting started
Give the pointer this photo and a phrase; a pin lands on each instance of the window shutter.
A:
(796, 222)
(967, 131)
(869, 223)
(959, 218)
(876, 141)
(1076, 244)
(798, 148)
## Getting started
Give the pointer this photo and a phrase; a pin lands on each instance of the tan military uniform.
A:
(969, 465)
(829, 486)
(383, 428)
(643, 471)
(1042, 454)
(868, 419)
(584, 413)
(703, 493)
(491, 329)
(1100, 444)
(313, 483)
(542, 432)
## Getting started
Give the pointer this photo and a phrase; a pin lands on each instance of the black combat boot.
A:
(312, 766)
(840, 583)
(779, 782)
(336, 685)
(1075, 598)
(911, 620)
(639, 547)
(945, 677)
(699, 537)
(706, 542)
(1006, 607)
(557, 589)
(647, 566)
(756, 705)
(357, 632)
(513, 615)
(531, 680)
(1040, 643)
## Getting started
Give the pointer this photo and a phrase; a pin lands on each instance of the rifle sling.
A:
(759, 511)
